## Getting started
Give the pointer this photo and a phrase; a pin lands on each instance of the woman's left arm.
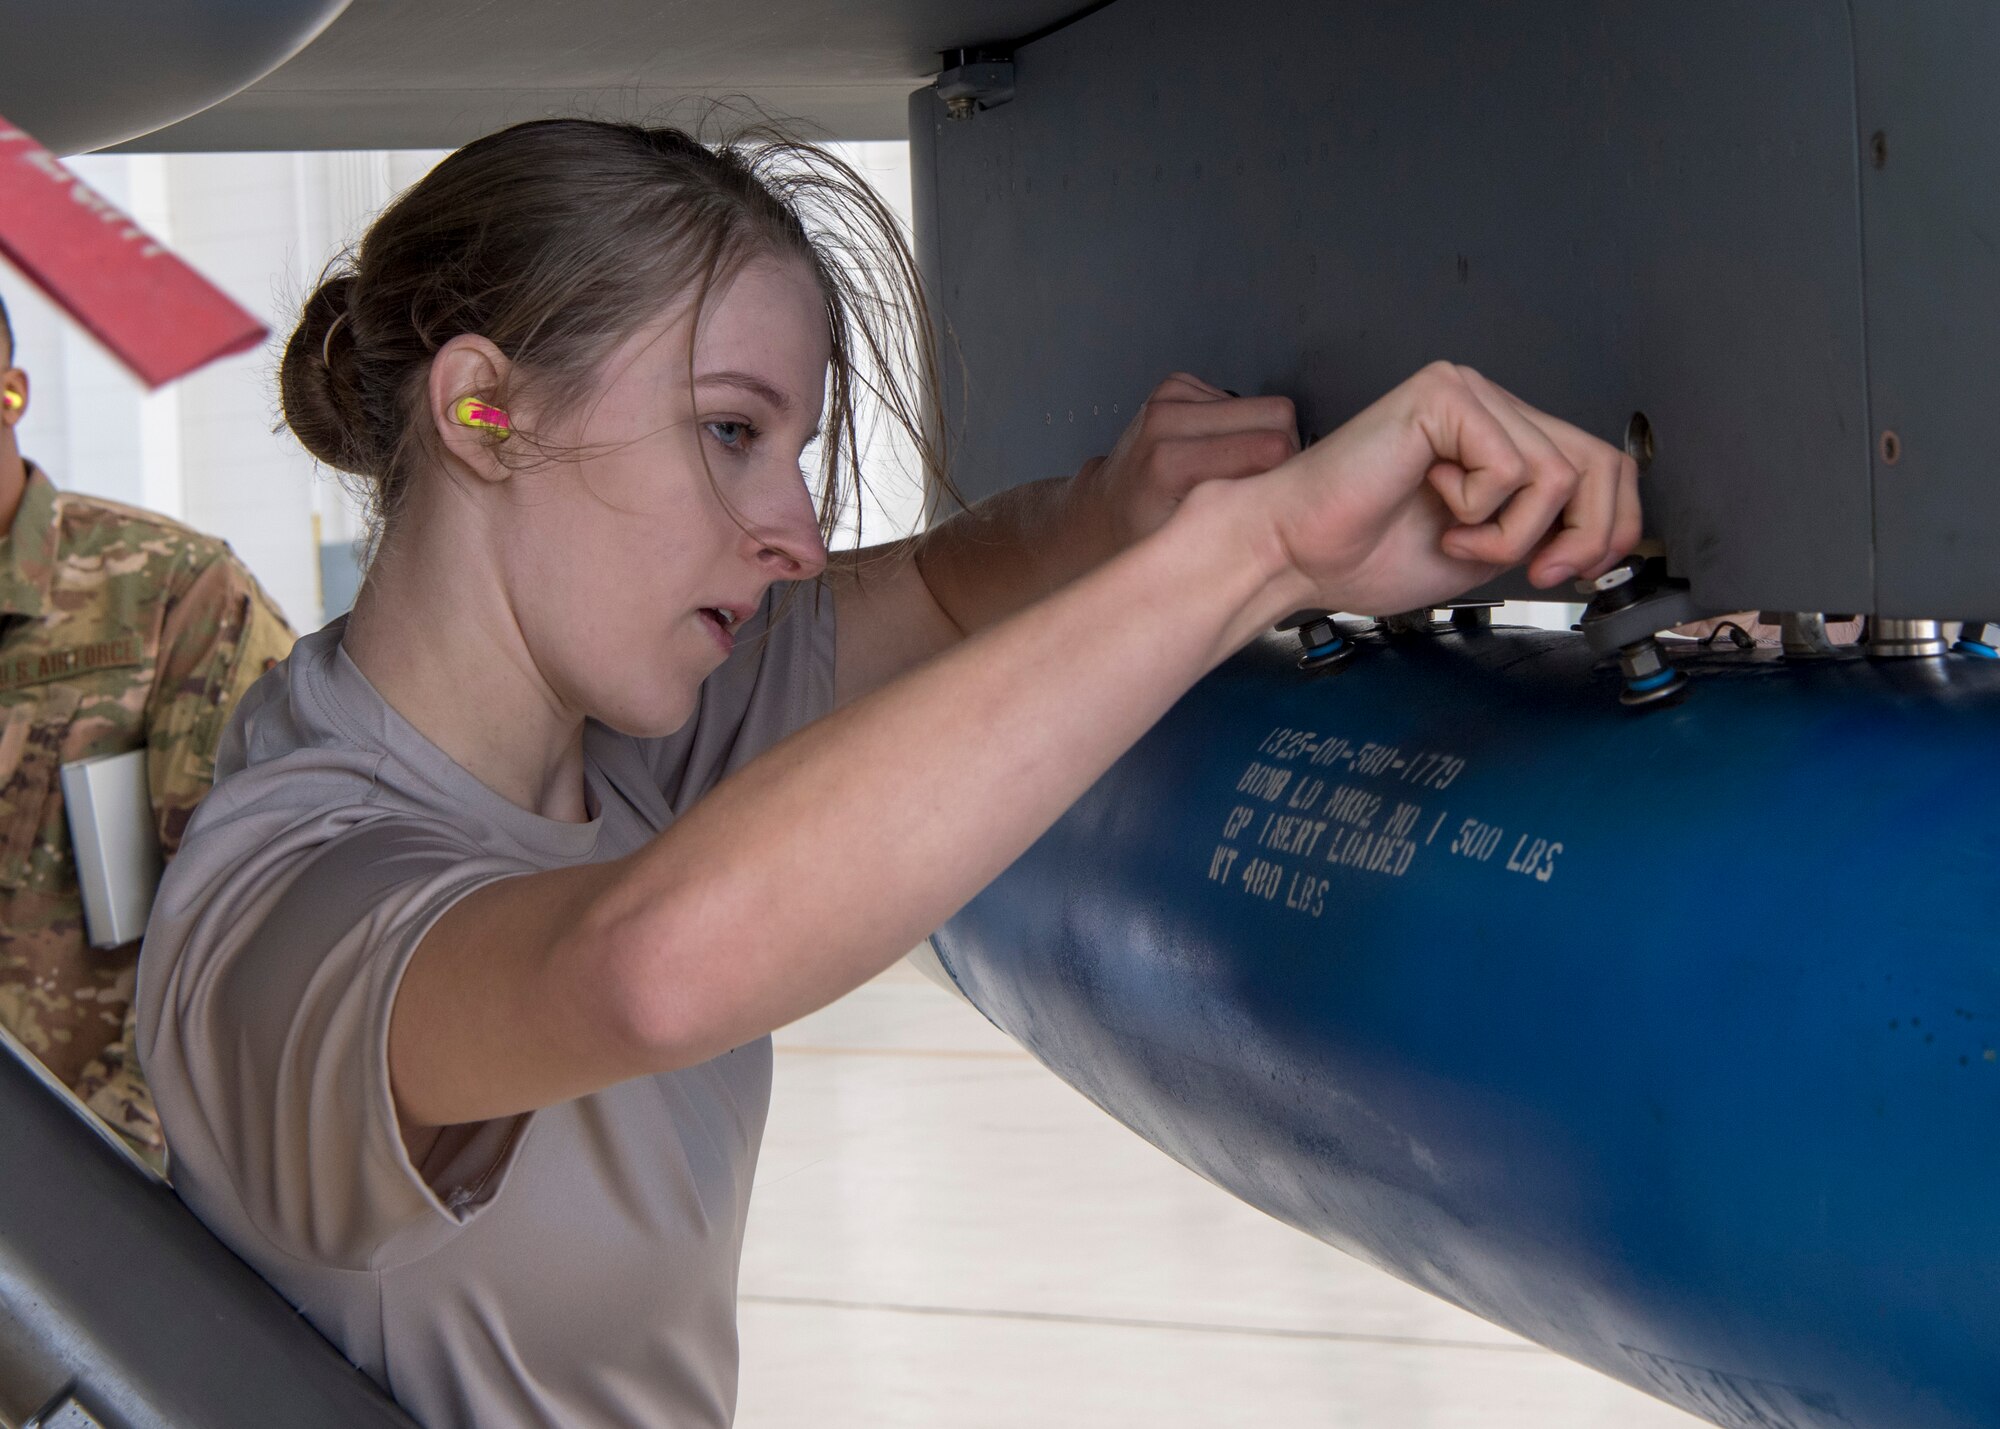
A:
(899, 605)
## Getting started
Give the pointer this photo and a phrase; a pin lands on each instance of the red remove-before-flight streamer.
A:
(157, 315)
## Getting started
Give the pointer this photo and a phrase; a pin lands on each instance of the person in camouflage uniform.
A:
(119, 630)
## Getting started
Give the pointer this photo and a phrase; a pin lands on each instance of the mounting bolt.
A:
(1405, 623)
(974, 80)
(1649, 679)
(1322, 646)
(1979, 639)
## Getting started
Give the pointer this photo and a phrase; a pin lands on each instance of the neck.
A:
(13, 482)
(435, 636)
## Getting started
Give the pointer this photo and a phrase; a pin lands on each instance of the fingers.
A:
(1182, 463)
(1184, 405)
(1598, 527)
(1602, 522)
(1190, 442)
(1521, 481)
(1477, 464)
(1169, 420)
(1186, 387)
(1190, 432)
(1509, 483)
(1582, 534)
(1186, 433)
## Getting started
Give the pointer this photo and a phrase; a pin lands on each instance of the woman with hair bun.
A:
(455, 1001)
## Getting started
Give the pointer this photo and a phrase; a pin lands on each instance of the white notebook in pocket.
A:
(117, 847)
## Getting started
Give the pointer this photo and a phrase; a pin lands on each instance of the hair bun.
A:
(318, 382)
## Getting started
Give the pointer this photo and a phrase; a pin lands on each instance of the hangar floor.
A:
(946, 1237)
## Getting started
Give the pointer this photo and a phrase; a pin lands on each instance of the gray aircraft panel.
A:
(1931, 236)
(1611, 208)
(435, 73)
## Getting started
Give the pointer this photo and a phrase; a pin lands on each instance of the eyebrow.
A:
(748, 382)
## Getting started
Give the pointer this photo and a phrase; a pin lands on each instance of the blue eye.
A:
(733, 435)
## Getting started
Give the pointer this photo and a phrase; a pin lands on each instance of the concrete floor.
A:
(944, 1236)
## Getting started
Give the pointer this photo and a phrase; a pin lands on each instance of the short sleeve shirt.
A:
(575, 1266)
(119, 630)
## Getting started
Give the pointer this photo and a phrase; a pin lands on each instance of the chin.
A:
(641, 717)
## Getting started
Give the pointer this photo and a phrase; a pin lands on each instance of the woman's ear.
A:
(470, 366)
(13, 395)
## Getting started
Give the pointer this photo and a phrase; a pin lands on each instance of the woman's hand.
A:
(1441, 485)
(1015, 548)
(1187, 432)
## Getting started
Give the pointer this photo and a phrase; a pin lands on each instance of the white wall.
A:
(210, 450)
(892, 483)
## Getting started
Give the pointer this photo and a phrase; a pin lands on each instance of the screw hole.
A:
(1892, 448)
(1639, 440)
(1878, 149)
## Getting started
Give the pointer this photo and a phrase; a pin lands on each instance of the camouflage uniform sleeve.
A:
(220, 635)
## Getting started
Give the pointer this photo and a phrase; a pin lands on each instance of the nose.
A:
(784, 541)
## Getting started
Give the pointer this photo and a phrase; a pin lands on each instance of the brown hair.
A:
(554, 240)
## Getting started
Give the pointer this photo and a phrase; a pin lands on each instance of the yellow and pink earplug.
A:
(11, 400)
(471, 412)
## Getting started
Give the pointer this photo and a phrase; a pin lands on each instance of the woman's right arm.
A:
(823, 860)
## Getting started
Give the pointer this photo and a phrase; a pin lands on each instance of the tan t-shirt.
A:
(572, 1267)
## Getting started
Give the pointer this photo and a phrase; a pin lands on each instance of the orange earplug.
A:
(471, 412)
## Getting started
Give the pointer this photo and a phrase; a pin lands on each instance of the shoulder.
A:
(302, 849)
(291, 714)
(298, 774)
(92, 522)
(141, 560)
(128, 542)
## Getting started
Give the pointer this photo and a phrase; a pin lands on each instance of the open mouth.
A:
(721, 620)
